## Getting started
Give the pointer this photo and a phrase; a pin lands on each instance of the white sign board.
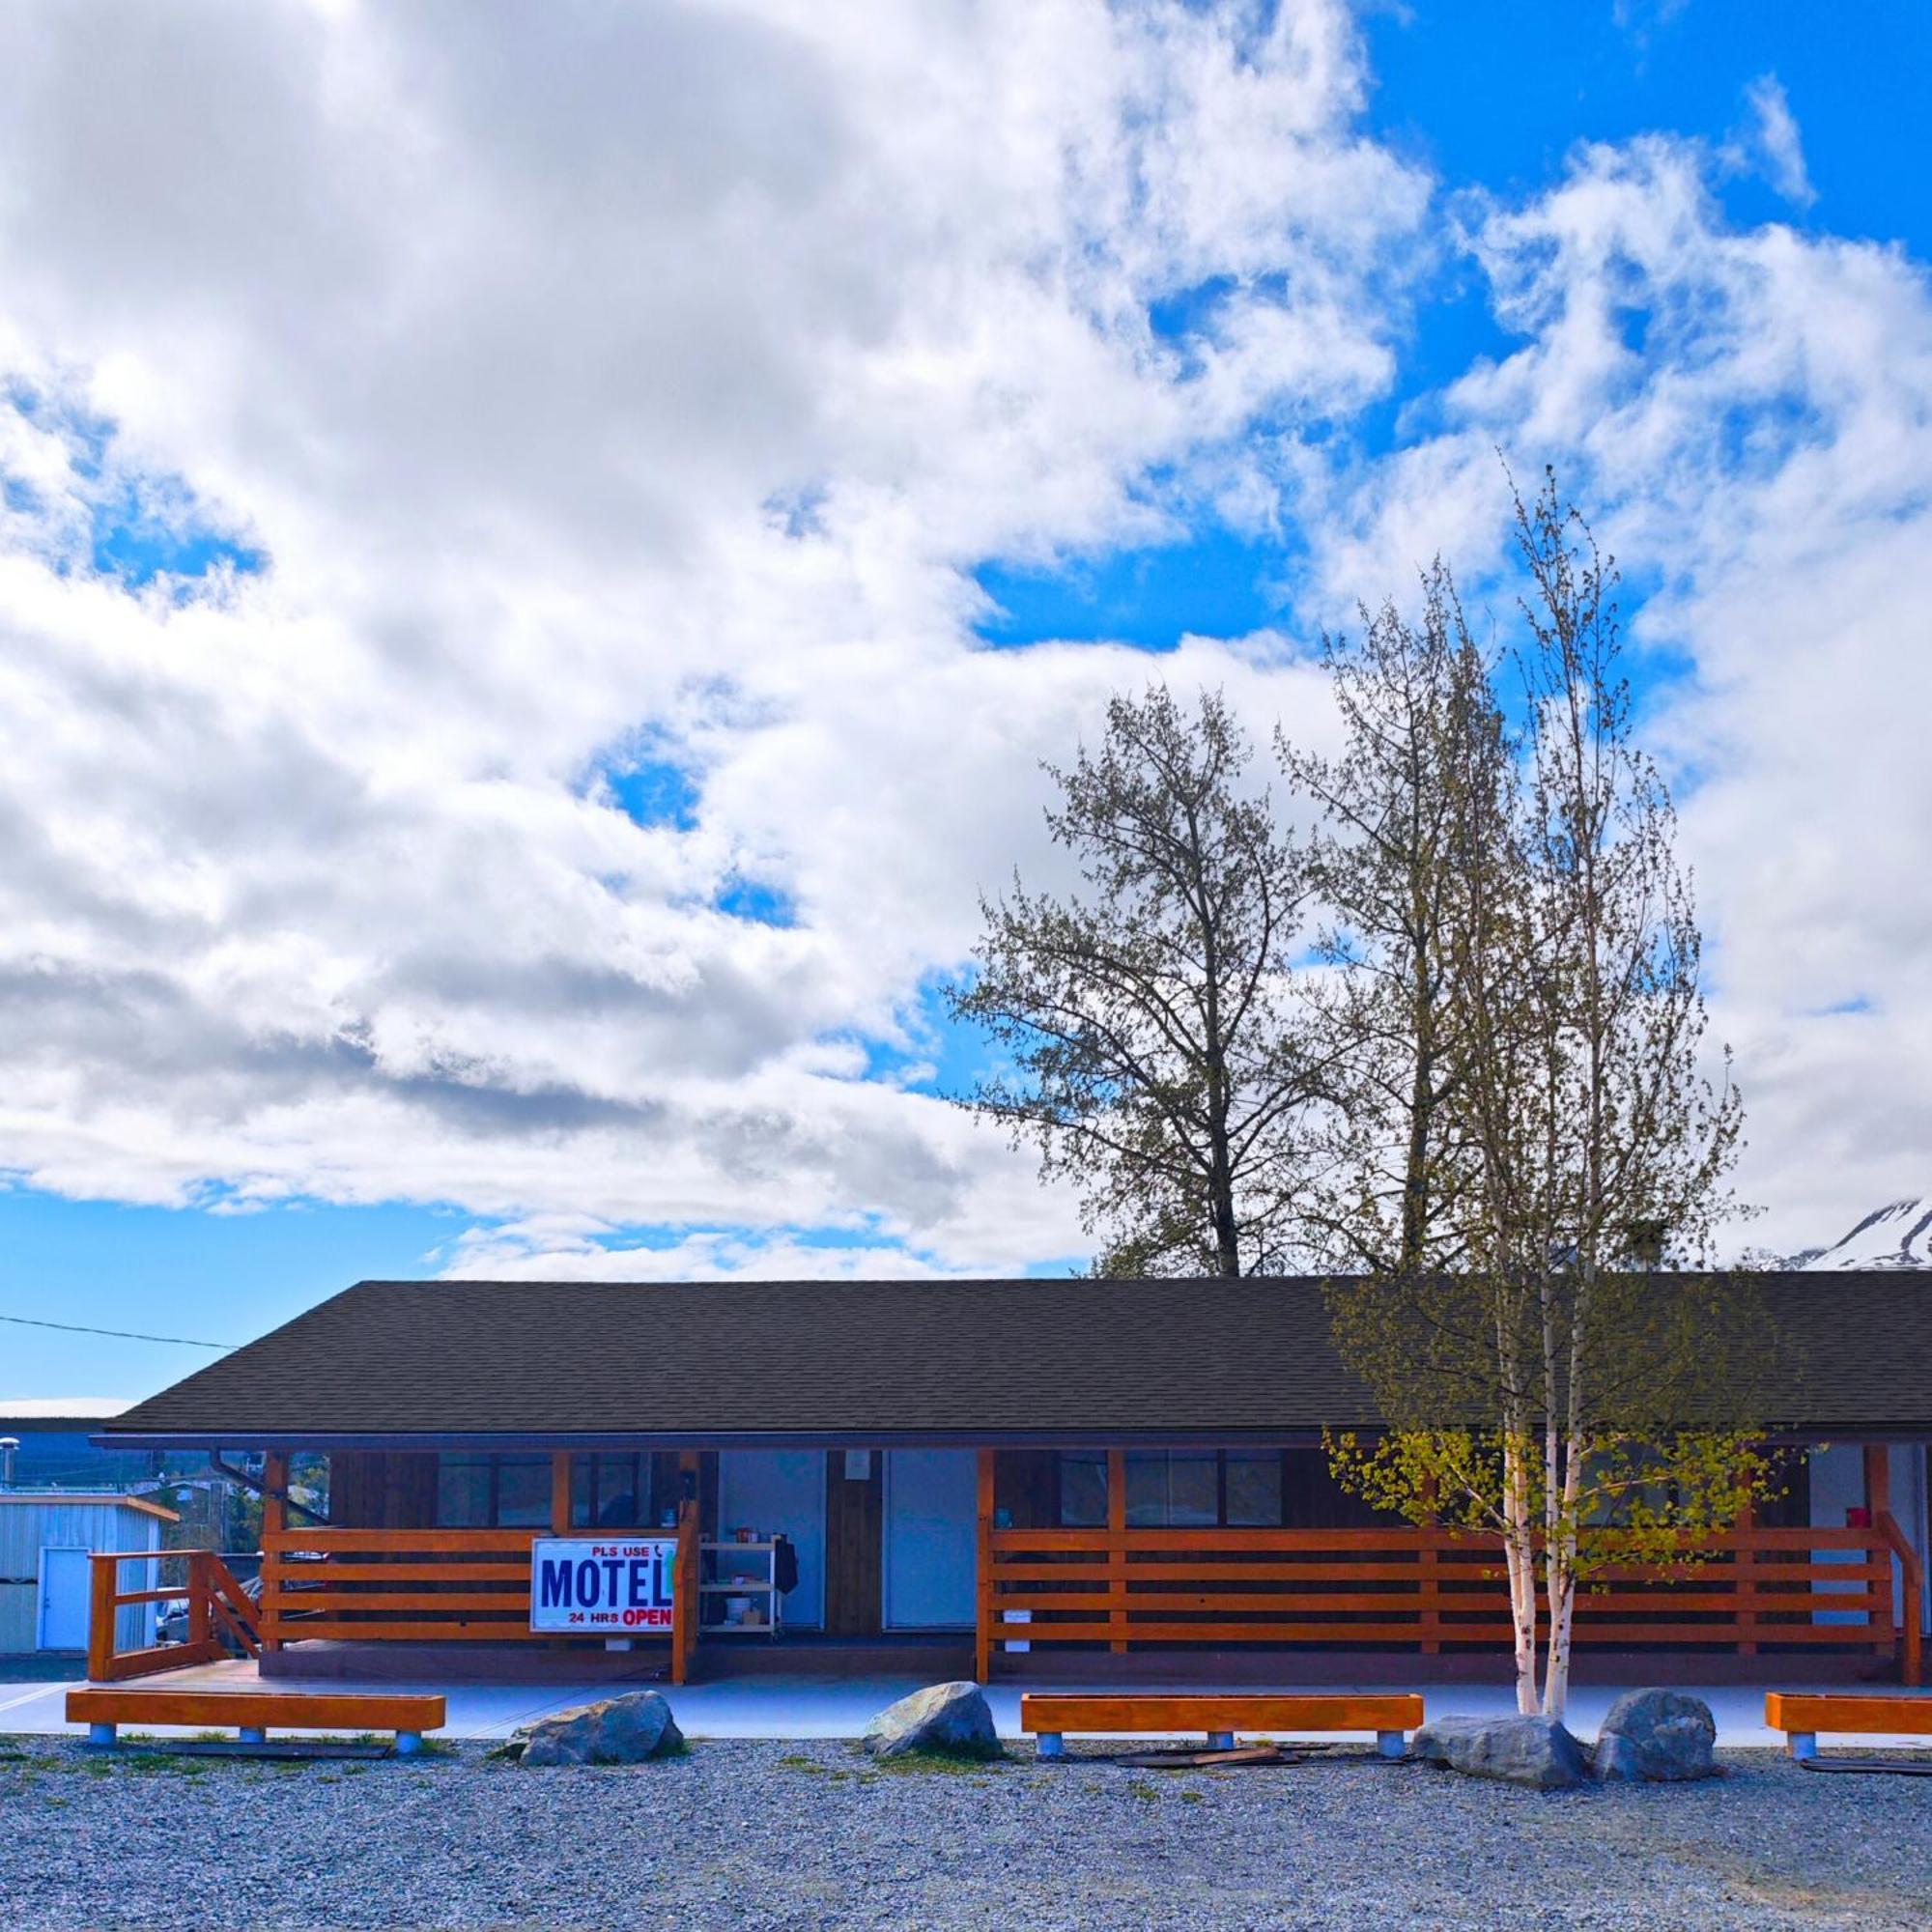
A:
(610, 1584)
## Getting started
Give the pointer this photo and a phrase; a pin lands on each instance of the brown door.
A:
(854, 1525)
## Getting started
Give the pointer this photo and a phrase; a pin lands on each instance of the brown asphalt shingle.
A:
(976, 1360)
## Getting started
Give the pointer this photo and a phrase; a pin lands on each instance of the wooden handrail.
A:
(1911, 1580)
(212, 1593)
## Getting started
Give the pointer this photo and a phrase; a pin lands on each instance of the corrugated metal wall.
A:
(29, 1524)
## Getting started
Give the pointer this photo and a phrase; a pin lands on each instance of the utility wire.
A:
(121, 1334)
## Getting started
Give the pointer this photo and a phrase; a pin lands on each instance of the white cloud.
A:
(1779, 141)
(605, 382)
(596, 378)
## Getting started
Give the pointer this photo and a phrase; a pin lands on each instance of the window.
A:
(493, 1491)
(1175, 1488)
(1253, 1488)
(522, 1492)
(611, 1492)
(463, 1492)
(1083, 1489)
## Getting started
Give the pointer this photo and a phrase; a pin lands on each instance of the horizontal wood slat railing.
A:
(216, 1604)
(1754, 1588)
(385, 1584)
(438, 1586)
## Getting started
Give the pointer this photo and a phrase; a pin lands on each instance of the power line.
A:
(121, 1334)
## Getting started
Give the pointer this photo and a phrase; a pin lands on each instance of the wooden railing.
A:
(219, 1614)
(434, 1585)
(1432, 1590)
(449, 1584)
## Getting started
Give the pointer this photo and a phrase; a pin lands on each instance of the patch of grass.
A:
(1193, 1798)
(1146, 1793)
(798, 1761)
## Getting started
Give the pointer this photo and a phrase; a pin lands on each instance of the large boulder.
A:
(1659, 1735)
(630, 1729)
(948, 1719)
(1537, 1752)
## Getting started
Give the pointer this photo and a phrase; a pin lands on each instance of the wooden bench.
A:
(1802, 1716)
(252, 1713)
(1051, 1717)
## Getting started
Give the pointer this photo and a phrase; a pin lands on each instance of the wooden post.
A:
(1743, 1559)
(1878, 1478)
(1429, 1586)
(274, 1521)
(275, 1493)
(1117, 1548)
(200, 1582)
(1878, 1508)
(103, 1588)
(559, 1493)
(685, 1597)
(983, 1648)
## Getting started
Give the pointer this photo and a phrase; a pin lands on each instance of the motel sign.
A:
(619, 1586)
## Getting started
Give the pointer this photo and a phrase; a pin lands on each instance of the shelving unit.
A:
(723, 1575)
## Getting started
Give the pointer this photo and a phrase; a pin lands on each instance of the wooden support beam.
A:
(1878, 1478)
(983, 1647)
(274, 1521)
(1116, 1550)
(559, 1493)
(685, 1598)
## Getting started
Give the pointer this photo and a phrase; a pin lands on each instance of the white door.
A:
(931, 1538)
(62, 1599)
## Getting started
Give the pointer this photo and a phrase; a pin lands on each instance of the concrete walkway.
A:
(815, 1707)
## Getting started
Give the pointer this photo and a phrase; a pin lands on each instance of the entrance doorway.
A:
(932, 1536)
(854, 1512)
(63, 1620)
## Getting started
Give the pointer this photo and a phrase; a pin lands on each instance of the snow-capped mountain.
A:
(1897, 1236)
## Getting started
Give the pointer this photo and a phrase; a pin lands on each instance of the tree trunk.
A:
(1519, 1557)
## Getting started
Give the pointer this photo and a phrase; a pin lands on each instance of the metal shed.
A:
(46, 1539)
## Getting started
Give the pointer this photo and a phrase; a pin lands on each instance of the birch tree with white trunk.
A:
(1575, 1380)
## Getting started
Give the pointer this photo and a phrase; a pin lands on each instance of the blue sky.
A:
(460, 825)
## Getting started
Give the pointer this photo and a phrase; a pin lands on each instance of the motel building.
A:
(1065, 1480)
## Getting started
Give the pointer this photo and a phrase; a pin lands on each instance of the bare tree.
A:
(1153, 1056)
(1553, 1385)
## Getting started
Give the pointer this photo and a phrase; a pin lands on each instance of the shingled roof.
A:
(703, 1364)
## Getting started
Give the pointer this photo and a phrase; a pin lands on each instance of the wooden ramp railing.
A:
(219, 1614)
(1432, 1590)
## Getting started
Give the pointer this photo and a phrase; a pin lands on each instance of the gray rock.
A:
(1537, 1752)
(629, 1729)
(951, 1719)
(1655, 1736)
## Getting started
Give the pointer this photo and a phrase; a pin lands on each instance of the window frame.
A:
(1220, 1457)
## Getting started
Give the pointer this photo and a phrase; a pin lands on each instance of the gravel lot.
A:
(751, 1835)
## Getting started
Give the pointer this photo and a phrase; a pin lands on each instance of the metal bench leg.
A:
(409, 1742)
(1220, 1741)
(1391, 1744)
(1804, 1745)
(254, 1734)
(100, 1733)
(1052, 1745)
